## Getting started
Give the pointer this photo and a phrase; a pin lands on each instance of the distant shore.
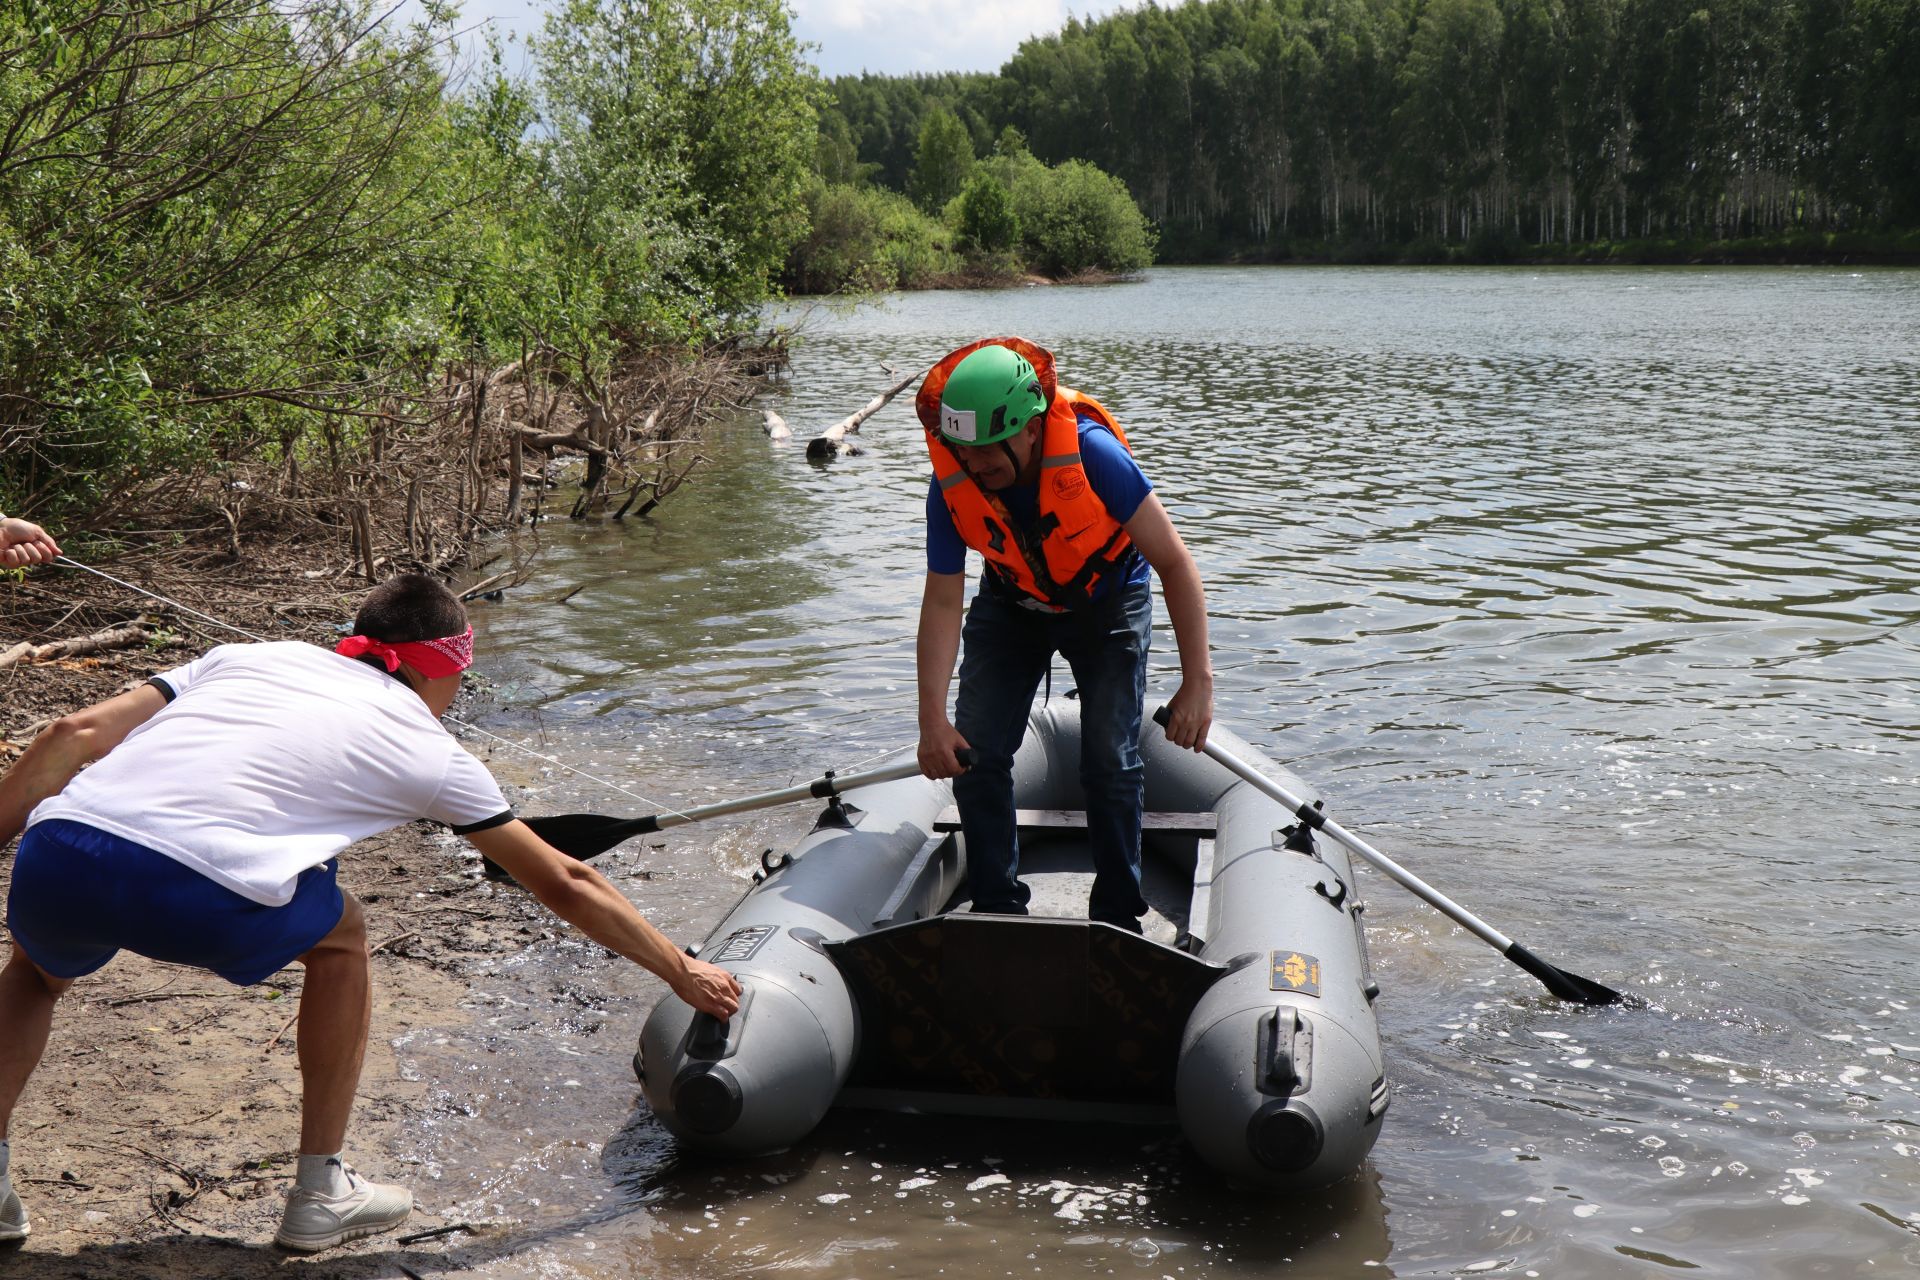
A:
(1900, 249)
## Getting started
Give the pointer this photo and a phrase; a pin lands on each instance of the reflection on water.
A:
(1591, 595)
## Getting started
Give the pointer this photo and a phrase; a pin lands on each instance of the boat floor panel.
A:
(1011, 1008)
(1058, 871)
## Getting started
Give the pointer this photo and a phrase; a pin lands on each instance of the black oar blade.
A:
(1568, 986)
(588, 835)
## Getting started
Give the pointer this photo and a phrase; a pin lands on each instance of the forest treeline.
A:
(1264, 127)
(272, 261)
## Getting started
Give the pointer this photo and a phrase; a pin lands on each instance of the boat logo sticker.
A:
(1069, 485)
(740, 945)
(1294, 971)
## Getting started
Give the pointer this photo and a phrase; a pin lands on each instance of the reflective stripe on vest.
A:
(1077, 542)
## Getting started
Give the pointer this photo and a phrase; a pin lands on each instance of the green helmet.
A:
(989, 397)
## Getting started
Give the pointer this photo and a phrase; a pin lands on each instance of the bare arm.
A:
(64, 747)
(1192, 705)
(942, 608)
(583, 898)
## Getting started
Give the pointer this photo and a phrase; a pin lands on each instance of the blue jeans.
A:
(1006, 651)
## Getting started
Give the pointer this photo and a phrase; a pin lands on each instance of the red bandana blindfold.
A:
(433, 659)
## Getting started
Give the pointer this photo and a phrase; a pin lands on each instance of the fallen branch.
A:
(138, 996)
(485, 585)
(432, 1232)
(64, 1180)
(281, 1032)
(114, 638)
(832, 443)
(152, 998)
(548, 441)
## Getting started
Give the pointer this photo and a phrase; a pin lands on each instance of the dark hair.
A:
(410, 606)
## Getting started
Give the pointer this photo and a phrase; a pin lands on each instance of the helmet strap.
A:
(1012, 460)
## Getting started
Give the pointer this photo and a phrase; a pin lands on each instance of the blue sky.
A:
(896, 37)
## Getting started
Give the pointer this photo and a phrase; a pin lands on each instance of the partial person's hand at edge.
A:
(23, 543)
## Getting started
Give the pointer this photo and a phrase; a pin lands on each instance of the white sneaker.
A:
(313, 1221)
(13, 1214)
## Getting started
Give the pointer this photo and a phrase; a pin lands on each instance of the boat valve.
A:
(1286, 1137)
(706, 1097)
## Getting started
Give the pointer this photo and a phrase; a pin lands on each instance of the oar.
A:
(1568, 986)
(588, 835)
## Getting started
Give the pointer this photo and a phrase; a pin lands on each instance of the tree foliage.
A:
(993, 211)
(1072, 217)
(942, 162)
(868, 239)
(683, 136)
(987, 222)
(236, 226)
(1252, 122)
(213, 213)
(884, 114)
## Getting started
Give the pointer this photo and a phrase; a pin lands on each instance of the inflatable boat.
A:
(1244, 1015)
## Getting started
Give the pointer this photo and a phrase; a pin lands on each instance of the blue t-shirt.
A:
(1116, 480)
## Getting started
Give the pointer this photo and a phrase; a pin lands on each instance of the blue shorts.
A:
(80, 894)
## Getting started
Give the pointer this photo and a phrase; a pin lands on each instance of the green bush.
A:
(866, 239)
(1077, 218)
(987, 223)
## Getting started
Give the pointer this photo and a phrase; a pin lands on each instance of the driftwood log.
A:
(548, 441)
(126, 637)
(833, 443)
(512, 577)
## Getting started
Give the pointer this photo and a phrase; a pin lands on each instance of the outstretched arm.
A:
(941, 611)
(1192, 705)
(66, 745)
(585, 899)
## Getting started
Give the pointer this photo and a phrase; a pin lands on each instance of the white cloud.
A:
(931, 19)
(901, 36)
(891, 37)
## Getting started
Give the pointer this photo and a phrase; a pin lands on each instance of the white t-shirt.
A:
(272, 758)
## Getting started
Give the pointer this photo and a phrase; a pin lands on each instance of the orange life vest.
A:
(1077, 542)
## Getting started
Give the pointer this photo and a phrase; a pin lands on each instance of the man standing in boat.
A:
(204, 832)
(1039, 479)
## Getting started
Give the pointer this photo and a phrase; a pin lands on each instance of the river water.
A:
(1593, 596)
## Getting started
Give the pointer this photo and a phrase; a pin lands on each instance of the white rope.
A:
(152, 595)
(472, 728)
